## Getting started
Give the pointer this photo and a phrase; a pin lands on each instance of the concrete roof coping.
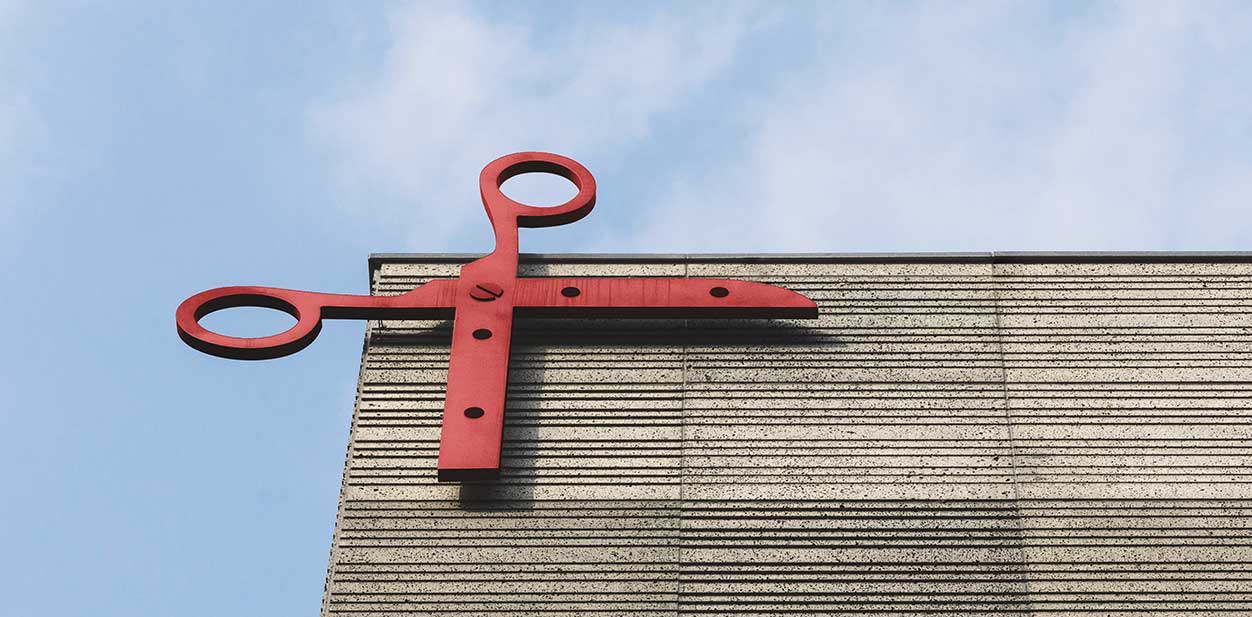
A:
(1076, 257)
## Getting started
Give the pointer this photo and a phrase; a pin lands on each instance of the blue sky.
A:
(148, 152)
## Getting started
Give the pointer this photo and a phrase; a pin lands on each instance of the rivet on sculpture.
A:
(482, 303)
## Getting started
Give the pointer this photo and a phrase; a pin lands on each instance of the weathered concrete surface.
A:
(956, 435)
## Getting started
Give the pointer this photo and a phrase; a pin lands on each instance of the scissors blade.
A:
(471, 435)
(658, 298)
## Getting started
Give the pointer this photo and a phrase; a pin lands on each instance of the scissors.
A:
(482, 303)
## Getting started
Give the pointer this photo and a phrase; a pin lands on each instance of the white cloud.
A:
(20, 128)
(456, 90)
(978, 128)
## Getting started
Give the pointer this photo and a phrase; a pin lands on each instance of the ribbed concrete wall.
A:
(970, 436)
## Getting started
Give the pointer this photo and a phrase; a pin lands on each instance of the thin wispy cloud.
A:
(981, 126)
(931, 128)
(456, 89)
(20, 127)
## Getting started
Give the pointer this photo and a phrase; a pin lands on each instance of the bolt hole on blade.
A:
(571, 292)
(482, 334)
(719, 292)
(474, 412)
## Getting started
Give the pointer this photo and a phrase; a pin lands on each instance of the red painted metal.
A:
(483, 302)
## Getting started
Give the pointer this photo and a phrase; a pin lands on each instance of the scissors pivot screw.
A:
(486, 292)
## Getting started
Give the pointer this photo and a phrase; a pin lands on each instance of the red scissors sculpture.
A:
(482, 303)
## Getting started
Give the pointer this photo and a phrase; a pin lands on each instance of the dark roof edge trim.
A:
(909, 258)
(1146, 257)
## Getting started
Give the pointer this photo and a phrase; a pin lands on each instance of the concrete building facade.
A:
(972, 434)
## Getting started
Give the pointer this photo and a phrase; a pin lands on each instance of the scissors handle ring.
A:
(500, 206)
(301, 305)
